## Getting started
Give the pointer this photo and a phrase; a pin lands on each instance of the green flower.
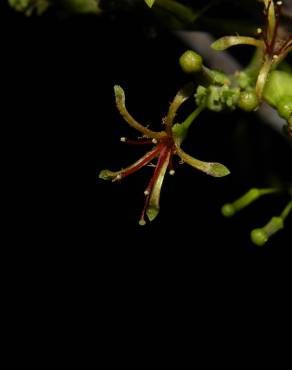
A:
(166, 145)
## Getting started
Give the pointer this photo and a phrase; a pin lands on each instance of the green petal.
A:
(153, 205)
(210, 168)
(121, 105)
(228, 41)
(183, 94)
(218, 170)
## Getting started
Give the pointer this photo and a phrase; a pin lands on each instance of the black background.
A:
(87, 283)
(65, 127)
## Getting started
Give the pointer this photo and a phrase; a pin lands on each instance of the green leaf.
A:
(149, 3)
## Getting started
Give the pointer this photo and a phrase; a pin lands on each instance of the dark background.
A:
(61, 73)
(84, 280)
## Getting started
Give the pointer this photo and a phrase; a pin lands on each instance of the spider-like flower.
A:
(272, 46)
(166, 144)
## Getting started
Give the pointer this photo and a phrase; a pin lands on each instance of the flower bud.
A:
(190, 62)
(248, 101)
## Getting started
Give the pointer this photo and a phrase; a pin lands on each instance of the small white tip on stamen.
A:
(142, 222)
(279, 3)
(146, 192)
(259, 30)
(154, 141)
(123, 139)
(172, 172)
(118, 177)
(275, 57)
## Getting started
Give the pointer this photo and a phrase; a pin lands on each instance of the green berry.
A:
(190, 62)
(259, 237)
(248, 101)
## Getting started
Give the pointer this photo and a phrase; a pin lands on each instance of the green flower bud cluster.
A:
(217, 98)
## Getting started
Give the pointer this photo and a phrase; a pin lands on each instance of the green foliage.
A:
(82, 6)
(30, 6)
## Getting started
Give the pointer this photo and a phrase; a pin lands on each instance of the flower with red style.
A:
(166, 144)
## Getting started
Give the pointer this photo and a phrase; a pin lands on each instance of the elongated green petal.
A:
(210, 168)
(228, 41)
(153, 205)
(120, 101)
(182, 95)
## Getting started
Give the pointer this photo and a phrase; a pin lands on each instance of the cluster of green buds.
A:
(216, 90)
(260, 236)
(259, 81)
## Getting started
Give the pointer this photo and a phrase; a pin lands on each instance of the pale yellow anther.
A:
(172, 172)
(146, 192)
(154, 141)
(259, 30)
(123, 139)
